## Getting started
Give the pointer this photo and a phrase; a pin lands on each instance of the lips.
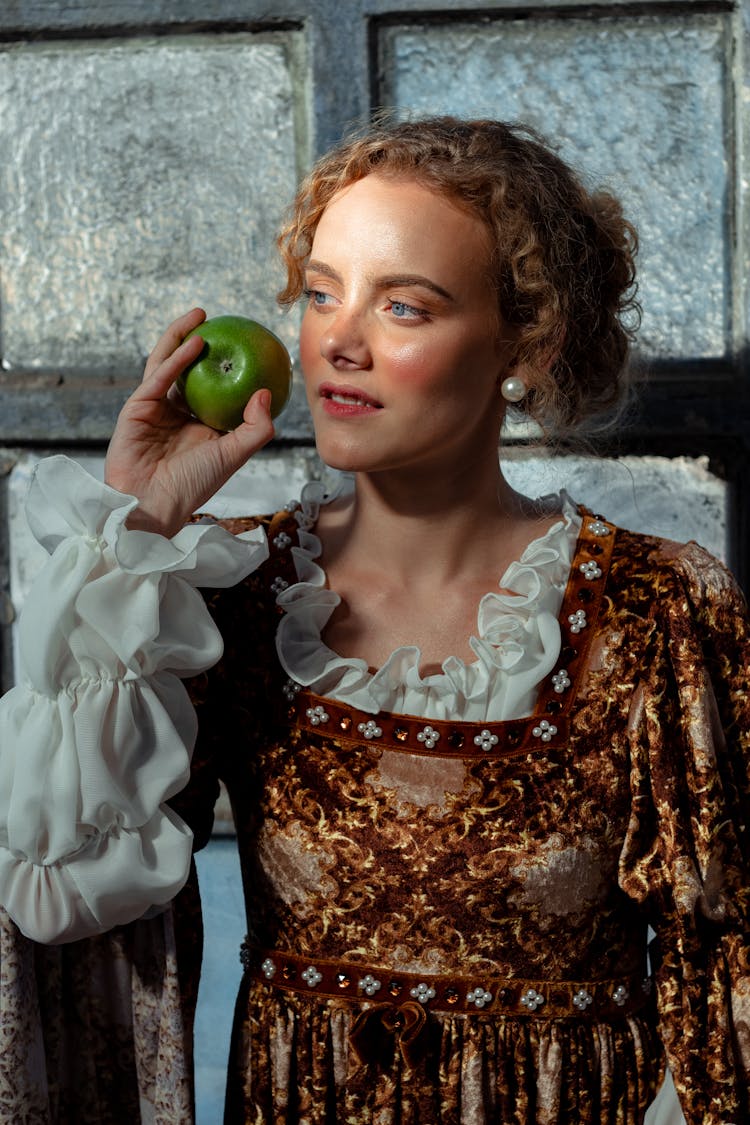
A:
(347, 398)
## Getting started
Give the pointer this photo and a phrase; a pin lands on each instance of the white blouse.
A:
(98, 733)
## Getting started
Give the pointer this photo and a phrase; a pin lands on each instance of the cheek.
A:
(414, 364)
(309, 344)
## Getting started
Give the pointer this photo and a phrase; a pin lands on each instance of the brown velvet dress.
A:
(454, 929)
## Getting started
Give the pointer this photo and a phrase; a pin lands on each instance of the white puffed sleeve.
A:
(98, 733)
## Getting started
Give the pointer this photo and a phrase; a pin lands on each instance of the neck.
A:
(409, 526)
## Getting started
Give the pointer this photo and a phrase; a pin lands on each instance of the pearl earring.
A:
(513, 389)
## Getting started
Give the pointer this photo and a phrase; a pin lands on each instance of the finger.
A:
(255, 431)
(172, 338)
(156, 384)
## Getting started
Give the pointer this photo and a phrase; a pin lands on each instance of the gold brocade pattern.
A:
(539, 859)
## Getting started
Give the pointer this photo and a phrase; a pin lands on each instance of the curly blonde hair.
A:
(563, 259)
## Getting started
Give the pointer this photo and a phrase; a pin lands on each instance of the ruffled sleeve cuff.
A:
(98, 733)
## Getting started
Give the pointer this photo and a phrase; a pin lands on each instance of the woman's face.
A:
(401, 345)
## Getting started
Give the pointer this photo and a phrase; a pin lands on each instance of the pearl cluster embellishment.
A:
(590, 570)
(597, 527)
(369, 985)
(317, 715)
(290, 689)
(546, 731)
(268, 968)
(531, 999)
(577, 620)
(278, 585)
(422, 992)
(429, 737)
(561, 680)
(485, 740)
(370, 729)
(620, 994)
(282, 540)
(312, 976)
(478, 997)
(582, 999)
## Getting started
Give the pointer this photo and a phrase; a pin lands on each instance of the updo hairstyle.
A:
(562, 260)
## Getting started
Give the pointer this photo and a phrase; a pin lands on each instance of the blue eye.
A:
(316, 297)
(403, 311)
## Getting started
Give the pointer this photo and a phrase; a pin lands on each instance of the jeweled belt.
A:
(601, 999)
(396, 1005)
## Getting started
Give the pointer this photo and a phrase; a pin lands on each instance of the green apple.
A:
(239, 358)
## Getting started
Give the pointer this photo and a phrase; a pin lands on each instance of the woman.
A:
(476, 744)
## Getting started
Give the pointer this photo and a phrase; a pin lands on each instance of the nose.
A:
(344, 342)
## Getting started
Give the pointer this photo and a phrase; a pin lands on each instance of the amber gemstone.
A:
(456, 739)
(342, 980)
(553, 707)
(345, 722)
(585, 595)
(451, 996)
(595, 548)
(287, 972)
(395, 988)
(568, 653)
(514, 736)
(401, 733)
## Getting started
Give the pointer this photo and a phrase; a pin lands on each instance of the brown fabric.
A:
(542, 860)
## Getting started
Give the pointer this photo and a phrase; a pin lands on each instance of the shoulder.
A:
(665, 567)
(689, 595)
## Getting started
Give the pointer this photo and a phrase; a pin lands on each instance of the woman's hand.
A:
(161, 454)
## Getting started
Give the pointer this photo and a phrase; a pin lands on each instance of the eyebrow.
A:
(384, 282)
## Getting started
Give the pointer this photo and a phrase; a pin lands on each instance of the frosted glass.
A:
(638, 104)
(144, 176)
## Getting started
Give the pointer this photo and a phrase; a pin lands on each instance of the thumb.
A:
(256, 428)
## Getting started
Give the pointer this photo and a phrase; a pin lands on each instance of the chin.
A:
(343, 460)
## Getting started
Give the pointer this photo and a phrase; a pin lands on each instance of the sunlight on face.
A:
(401, 345)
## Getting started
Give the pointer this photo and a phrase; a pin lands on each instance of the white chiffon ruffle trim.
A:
(99, 730)
(517, 644)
